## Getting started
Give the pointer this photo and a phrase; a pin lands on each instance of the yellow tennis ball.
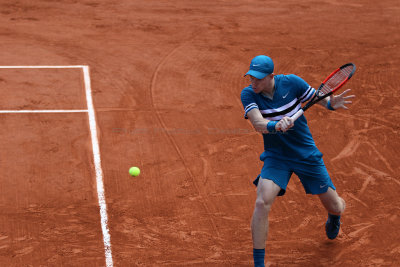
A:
(134, 171)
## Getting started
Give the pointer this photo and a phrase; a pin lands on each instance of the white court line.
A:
(99, 171)
(95, 147)
(44, 111)
(43, 67)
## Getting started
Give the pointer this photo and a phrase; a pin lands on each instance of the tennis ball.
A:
(134, 171)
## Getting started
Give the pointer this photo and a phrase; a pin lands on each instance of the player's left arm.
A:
(337, 101)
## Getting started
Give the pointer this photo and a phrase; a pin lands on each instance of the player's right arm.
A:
(257, 120)
(260, 124)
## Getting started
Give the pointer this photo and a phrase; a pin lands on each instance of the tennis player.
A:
(289, 147)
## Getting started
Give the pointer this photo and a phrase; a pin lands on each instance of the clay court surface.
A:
(166, 78)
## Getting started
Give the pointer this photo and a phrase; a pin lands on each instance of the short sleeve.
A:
(303, 90)
(248, 101)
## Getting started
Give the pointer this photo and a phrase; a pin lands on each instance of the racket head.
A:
(336, 79)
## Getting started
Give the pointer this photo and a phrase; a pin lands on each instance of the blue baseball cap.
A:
(261, 66)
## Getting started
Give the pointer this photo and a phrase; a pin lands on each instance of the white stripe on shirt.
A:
(273, 110)
(250, 106)
(307, 95)
(289, 114)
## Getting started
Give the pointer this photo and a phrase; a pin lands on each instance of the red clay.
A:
(166, 79)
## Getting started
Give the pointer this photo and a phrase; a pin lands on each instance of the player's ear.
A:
(270, 76)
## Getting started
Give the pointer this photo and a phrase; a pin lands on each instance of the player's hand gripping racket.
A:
(330, 85)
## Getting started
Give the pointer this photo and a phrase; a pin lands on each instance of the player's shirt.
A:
(290, 91)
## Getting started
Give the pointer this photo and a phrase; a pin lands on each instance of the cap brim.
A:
(256, 74)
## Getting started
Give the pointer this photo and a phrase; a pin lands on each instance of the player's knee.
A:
(338, 206)
(263, 205)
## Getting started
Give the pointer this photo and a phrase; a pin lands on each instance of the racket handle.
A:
(298, 114)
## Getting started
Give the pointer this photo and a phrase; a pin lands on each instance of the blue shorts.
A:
(311, 171)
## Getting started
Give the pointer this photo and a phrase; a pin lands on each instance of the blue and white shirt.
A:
(290, 92)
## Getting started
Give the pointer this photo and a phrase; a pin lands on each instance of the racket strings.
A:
(336, 79)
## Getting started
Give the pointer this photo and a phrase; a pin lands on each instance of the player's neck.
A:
(270, 92)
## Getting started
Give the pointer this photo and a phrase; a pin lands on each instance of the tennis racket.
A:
(330, 85)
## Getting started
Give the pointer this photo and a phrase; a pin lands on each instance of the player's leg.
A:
(335, 205)
(332, 202)
(267, 191)
(275, 177)
(316, 180)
